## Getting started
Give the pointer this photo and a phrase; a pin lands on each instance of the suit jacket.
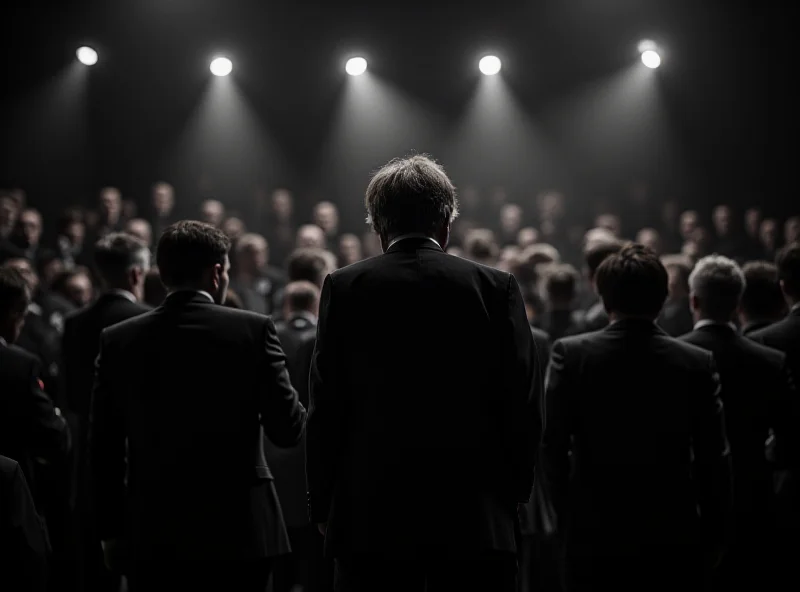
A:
(758, 396)
(754, 326)
(189, 387)
(80, 345)
(641, 415)
(562, 323)
(595, 318)
(23, 538)
(297, 336)
(424, 422)
(785, 337)
(31, 430)
(676, 318)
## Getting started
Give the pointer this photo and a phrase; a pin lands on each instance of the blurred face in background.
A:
(350, 249)
(791, 230)
(689, 221)
(30, 225)
(75, 232)
(650, 239)
(233, 227)
(8, 215)
(312, 236)
(510, 219)
(50, 271)
(610, 222)
(110, 205)
(212, 212)
(768, 234)
(282, 205)
(551, 206)
(78, 289)
(141, 229)
(326, 216)
(26, 269)
(527, 236)
(723, 218)
(163, 199)
(752, 222)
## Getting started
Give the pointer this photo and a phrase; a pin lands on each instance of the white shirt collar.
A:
(201, 292)
(124, 293)
(795, 307)
(708, 323)
(412, 235)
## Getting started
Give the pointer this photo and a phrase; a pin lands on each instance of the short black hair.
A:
(14, 292)
(187, 249)
(301, 295)
(560, 282)
(633, 282)
(598, 253)
(307, 264)
(116, 253)
(788, 263)
(411, 194)
(762, 297)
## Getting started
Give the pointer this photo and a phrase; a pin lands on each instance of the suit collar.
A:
(643, 326)
(181, 297)
(710, 325)
(795, 310)
(119, 294)
(413, 242)
(302, 320)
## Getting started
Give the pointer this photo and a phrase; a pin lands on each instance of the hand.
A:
(323, 528)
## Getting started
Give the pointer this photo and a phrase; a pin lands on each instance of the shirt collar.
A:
(412, 235)
(302, 314)
(795, 308)
(124, 294)
(3, 342)
(201, 292)
(709, 323)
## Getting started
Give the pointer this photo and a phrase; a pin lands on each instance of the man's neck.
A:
(615, 316)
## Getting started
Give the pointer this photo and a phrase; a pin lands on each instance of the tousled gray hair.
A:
(718, 284)
(411, 194)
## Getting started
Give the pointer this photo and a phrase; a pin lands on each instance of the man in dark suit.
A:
(121, 262)
(32, 430)
(785, 337)
(23, 539)
(560, 286)
(762, 302)
(758, 398)
(304, 567)
(424, 419)
(185, 393)
(641, 415)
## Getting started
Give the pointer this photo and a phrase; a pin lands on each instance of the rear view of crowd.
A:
(729, 285)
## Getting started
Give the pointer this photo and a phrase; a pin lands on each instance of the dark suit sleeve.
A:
(325, 420)
(23, 538)
(557, 430)
(107, 447)
(522, 378)
(711, 468)
(784, 418)
(282, 415)
(49, 433)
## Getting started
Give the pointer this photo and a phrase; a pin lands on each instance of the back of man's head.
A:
(310, 265)
(116, 254)
(762, 298)
(480, 245)
(14, 300)
(188, 250)
(301, 297)
(560, 284)
(410, 195)
(632, 283)
(715, 286)
(598, 252)
(788, 262)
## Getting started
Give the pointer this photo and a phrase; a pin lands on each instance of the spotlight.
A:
(87, 56)
(221, 67)
(651, 59)
(490, 65)
(356, 66)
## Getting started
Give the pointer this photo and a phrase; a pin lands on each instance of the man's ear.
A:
(216, 276)
(694, 302)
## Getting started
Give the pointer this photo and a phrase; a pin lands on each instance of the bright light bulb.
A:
(651, 59)
(87, 56)
(221, 67)
(356, 66)
(490, 65)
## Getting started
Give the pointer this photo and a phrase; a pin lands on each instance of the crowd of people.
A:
(653, 458)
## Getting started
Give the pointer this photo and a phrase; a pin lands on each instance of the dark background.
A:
(720, 133)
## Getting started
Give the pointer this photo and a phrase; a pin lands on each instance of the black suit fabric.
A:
(30, 428)
(80, 345)
(424, 417)
(758, 396)
(24, 547)
(191, 387)
(634, 442)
